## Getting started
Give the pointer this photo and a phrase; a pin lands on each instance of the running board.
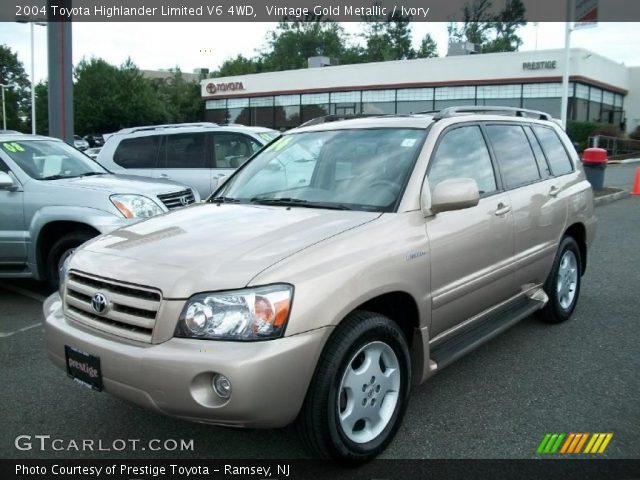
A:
(496, 323)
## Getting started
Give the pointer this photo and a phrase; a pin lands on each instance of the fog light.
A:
(221, 385)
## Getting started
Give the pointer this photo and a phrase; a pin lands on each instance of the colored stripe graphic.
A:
(572, 443)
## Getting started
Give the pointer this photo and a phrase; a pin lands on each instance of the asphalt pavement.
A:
(497, 402)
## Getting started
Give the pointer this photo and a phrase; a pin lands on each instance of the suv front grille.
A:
(130, 311)
(177, 199)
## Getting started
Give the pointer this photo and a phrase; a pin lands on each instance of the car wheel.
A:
(61, 250)
(563, 285)
(359, 391)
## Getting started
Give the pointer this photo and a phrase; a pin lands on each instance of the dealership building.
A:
(601, 90)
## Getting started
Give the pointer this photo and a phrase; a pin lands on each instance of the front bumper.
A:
(269, 379)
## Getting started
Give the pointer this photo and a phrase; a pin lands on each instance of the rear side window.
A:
(140, 152)
(3, 167)
(513, 152)
(231, 150)
(186, 150)
(462, 153)
(554, 151)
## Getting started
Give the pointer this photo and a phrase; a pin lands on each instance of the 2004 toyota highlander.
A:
(343, 264)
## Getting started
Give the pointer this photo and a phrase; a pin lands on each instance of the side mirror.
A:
(6, 182)
(454, 194)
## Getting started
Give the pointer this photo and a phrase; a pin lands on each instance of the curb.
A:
(612, 197)
(628, 161)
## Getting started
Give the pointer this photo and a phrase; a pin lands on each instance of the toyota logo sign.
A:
(214, 88)
(99, 303)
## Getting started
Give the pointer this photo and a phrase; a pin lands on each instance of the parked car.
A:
(80, 143)
(398, 244)
(93, 153)
(200, 155)
(53, 199)
(94, 140)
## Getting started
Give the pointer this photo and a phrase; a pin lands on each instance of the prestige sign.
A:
(213, 88)
(544, 65)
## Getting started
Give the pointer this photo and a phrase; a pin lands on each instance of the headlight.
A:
(62, 275)
(135, 206)
(252, 314)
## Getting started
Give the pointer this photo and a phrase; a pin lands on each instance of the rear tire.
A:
(359, 392)
(60, 250)
(563, 284)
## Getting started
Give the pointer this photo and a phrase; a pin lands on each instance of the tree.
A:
(239, 65)
(179, 97)
(428, 47)
(388, 38)
(42, 108)
(292, 43)
(17, 99)
(492, 32)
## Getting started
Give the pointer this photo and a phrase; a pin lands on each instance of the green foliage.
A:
(428, 47)
(42, 108)
(180, 98)
(17, 99)
(579, 132)
(494, 32)
(240, 65)
(635, 135)
(388, 38)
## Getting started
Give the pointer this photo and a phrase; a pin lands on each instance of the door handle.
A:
(164, 175)
(502, 209)
(554, 191)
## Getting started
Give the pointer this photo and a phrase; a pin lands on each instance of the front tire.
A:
(359, 392)
(563, 284)
(60, 250)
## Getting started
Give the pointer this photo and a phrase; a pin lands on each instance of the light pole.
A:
(33, 22)
(4, 109)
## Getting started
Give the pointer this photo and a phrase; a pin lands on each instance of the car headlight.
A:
(136, 206)
(62, 275)
(259, 313)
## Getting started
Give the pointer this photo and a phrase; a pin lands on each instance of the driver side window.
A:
(463, 153)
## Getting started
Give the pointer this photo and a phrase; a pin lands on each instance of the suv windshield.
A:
(345, 169)
(50, 159)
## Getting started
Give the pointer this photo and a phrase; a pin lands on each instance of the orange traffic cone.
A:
(636, 183)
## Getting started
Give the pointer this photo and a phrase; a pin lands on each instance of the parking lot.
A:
(497, 402)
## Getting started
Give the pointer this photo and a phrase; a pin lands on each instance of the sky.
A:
(155, 46)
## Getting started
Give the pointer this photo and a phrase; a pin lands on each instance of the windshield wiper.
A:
(89, 174)
(298, 202)
(223, 200)
(55, 177)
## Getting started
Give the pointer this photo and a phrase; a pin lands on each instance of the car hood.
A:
(122, 184)
(210, 247)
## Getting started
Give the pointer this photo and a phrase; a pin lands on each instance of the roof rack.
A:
(337, 118)
(167, 125)
(507, 111)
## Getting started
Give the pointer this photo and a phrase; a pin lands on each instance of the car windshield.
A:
(364, 169)
(50, 159)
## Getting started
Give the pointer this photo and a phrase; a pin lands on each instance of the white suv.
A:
(199, 155)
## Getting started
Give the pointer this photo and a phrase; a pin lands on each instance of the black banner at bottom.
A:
(547, 469)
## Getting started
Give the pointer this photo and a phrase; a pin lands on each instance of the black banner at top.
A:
(307, 10)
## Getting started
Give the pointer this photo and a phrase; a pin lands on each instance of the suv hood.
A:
(210, 247)
(121, 184)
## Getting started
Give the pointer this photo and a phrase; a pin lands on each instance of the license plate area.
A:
(83, 368)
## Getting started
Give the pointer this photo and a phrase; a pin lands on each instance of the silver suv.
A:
(53, 198)
(342, 266)
(200, 155)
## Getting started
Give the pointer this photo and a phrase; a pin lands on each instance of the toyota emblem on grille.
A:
(184, 200)
(99, 303)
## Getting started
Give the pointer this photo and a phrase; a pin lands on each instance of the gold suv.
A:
(343, 265)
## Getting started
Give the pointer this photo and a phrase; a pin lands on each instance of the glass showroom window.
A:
(595, 104)
(238, 111)
(545, 97)
(500, 95)
(287, 111)
(581, 103)
(379, 101)
(261, 111)
(414, 100)
(454, 96)
(216, 111)
(608, 107)
(314, 105)
(345, 103)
